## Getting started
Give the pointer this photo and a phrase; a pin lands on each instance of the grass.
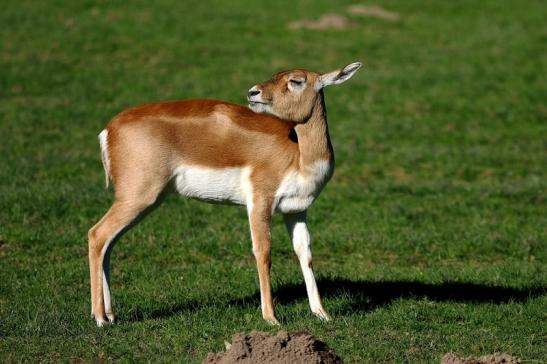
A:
(430, 238)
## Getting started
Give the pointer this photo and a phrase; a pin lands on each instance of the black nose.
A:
(252, 93)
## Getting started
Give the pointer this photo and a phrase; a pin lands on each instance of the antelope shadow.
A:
(364, 295)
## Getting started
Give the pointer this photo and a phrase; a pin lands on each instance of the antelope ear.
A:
(338, 76)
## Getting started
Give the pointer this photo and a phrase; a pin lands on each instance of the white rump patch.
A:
(103, 141)
(297, 190)
(214, 185)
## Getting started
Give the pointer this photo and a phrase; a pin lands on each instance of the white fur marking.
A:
(297, 191)
(301, 245)
(298, 86)
(214, 185)
(103, 141)
(106, 295)
(106, 287)
(298, 230)
(258, 105)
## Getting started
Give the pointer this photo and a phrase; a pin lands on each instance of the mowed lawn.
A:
(430, 238)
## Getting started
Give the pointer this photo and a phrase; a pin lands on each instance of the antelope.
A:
(274, 156)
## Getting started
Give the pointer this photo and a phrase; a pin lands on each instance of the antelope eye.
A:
(296, 82)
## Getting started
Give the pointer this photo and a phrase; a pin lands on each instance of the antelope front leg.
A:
(260, 222)
(298, 231)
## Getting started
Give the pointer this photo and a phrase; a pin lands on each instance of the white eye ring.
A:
(296, 85)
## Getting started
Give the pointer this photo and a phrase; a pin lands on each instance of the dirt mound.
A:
(373, 11)
(285, 347)
(326, 21)
(497, 358)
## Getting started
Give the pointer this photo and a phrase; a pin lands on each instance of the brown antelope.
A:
(275, 156)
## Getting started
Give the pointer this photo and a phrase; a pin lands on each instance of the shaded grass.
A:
(430, 237)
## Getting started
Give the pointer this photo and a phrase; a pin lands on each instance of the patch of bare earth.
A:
(341, 22)
(326, 21)
(496, 358)
(285, 347)
(373, 11)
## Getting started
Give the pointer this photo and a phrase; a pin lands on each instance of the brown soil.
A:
(374, 11)
(326, 21)
(497, 358)
(285, 347)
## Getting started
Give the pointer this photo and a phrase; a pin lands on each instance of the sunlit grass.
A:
(430, 238)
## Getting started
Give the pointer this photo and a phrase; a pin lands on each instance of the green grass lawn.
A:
(431, 236)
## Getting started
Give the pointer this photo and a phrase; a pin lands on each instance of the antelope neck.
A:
(313, 137)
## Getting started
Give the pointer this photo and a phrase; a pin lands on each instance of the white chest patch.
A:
(213, 185)
(298, 190)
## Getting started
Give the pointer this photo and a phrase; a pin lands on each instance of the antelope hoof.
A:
(102, 322)
(110, 317)
(272, 321)
(323, 316)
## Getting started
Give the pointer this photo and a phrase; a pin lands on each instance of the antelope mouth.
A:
(259, 106)
(255, 103)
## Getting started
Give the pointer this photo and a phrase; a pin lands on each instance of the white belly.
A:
(213, 185)
(298, 191)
